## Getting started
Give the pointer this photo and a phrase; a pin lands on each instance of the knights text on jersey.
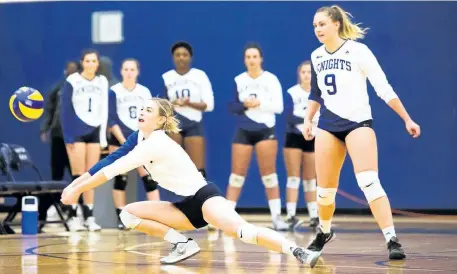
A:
(267, 89)
(339, 83)
(84, 106)
(125, 105)
(165, 160)
(194, 85)
(297, 109)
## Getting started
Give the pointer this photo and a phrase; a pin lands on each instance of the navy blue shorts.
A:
(294, 140)
(247, 137)
(192, 206)
(341, 135)
(92, 137)
(195, 129)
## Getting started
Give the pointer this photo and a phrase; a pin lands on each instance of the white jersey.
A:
(165, 160)
(194, 85)
(90, 98)
(85, 101)
(341, 84)
(267, 89)
(300, 101)
(128, 103)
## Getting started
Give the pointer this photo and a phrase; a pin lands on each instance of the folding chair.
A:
(14, 158)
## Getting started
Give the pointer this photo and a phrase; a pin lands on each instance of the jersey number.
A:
(90, 104)
(331, 83)
(133, 113)
(184, 93)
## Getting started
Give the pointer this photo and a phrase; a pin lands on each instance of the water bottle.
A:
(29, 215)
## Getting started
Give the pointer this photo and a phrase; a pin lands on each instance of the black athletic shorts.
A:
(92, 137)
(196, 129)
(341, 135)
(247, 137)
(294, 140)
(192, 206)
(112, 141)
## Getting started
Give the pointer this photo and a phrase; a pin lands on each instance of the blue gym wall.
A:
(415, 43)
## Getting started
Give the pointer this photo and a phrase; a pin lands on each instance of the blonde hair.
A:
(347, 29)
(171, 124)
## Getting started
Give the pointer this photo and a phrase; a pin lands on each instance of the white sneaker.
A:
(75, 224)
(52, 214)
(280, 225)
(92, 225)
(181, 251)
(306, 257)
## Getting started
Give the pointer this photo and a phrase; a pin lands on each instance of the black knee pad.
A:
(149, 183)
(203, 172)
(120, 182)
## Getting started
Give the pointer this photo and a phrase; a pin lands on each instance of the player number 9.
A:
(330, 82)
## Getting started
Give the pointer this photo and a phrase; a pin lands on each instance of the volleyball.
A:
(26, 104)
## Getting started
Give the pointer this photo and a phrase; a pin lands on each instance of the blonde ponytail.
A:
(348, 29)
(171, 124)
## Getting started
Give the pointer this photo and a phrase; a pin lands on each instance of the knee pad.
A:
(270, 181)
(326, 196)
(369, 183)
(293, 182)
(149, 183)
(236, 180)
(248, 233)
(129, 220)
(120, 182)
(309, 185)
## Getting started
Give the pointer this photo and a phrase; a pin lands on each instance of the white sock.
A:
(312, 209)
(74, 206)
(174, 237)
(291, 209)
(389, 232)
(288, 247)
(325, 225)
(90, 206)
(232, 203)
(275, 207)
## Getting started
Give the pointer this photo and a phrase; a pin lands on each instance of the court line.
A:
(129, 249)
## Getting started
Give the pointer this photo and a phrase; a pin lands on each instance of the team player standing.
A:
(257, 100)
(190, 91)
(340, 68)
(84, 115)
(125, 100)
(298, 152)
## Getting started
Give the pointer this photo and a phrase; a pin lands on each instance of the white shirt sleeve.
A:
(105, 105)
(370, 66)
(276, 104)
(207, 92)
(143, 153)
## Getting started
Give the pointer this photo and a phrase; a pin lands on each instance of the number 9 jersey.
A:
(124, 105)
(84, 109)
(338, 83)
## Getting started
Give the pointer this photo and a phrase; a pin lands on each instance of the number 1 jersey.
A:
(84, 107)
(338, 83)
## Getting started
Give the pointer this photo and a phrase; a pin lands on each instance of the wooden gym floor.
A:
(431, 246)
